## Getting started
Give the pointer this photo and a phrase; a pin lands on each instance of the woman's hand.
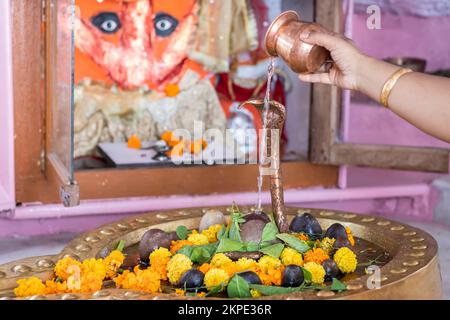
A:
(345, 69)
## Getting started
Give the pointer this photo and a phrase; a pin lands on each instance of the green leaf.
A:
(293, 242)
(307, 276)
(121, 245)
(238, 288)
(270, 232)
(227, 245)
(251, 246)
(222, 232)
(200, 255)
(338, 285)
(274, 250)
(273, 290)
(215, 290)
(236, 219)
(182, 232)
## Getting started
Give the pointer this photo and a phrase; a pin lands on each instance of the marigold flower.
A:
(291, 256)
(29, 287)
(255, 293)
(219, 260)
(246, 264)
(204, 268)
(198, 239)
(177, 266)
(267, 262)
(216, 277)
(134, 142)
(172, 90)
(95, 266)
(327, 244)
(55, 287)
(180, 292)
(211, 232)
(143, 280)
(178, 244)
(350, 236)
(303, 236)
(62, 268)
(126, 280)
(345, 260)
(158, 262)
(91, 282)
(201, 294)
(316, 255)
(275, 275)
(317, 272)
(113, 262)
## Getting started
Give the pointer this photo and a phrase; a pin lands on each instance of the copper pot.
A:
(282, 39)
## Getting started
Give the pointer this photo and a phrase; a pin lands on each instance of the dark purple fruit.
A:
(331, 269)
(251, 231)
(191, 279)
(131, 260)
(341, 242)
(259, 216)
(250, 277)
(335, 231)
(292, 276)
(306, 223)
(152, 240)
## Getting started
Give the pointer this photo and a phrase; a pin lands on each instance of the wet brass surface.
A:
(411, 273)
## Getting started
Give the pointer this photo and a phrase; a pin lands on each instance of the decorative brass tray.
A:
(411, 270)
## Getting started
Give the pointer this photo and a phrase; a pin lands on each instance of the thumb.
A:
(325, 40)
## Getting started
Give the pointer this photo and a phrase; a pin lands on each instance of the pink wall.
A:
(7, 193)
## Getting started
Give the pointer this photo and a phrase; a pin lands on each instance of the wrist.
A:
(364, 65)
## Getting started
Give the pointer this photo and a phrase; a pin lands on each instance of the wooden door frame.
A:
(326, 118)
(37, 179)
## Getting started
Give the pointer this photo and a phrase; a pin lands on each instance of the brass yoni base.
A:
(411, 272)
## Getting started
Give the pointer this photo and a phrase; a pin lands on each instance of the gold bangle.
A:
(390, 84)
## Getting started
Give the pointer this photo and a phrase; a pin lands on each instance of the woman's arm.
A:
(421, 99)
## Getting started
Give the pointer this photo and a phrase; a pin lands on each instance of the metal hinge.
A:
(44, 11)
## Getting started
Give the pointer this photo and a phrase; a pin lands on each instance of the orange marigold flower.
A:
(134, 142)
(201, 294)
(113, 262)
(91, 282)
(29, 287)
(303, 236)
(204, 268)
(350, 236)
(180, 292)
(316, 255)
(276, 275)
(158, 262)
(54, 287)
(65, 267)
(172, 90)
(178, 244)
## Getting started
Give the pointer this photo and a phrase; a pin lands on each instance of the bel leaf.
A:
(307, 275)
(273, 290)
(238, 288)
(251, 246)
(270, 232)
(274, 250)
(227, 245)
(182, 232)
(338, 285)
(293, 242)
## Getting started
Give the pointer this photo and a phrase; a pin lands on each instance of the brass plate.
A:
(411, 273)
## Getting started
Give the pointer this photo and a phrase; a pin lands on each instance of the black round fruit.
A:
(335, 231)
(341, 242)
(331, 269)
(191, 279)
(250, 277)
(292, 276)
(152, 240)
(306, 223)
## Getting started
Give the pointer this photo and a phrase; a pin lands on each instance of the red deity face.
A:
(135, 42)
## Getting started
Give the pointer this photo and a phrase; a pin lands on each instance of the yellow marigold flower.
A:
(180, 292)
(211, 232)
(345, 260)
(113, 262)
(198, 239)
(219, 260)
(201, 294)
(64, 268)
(246, 264)
(316, 255)
(350, 236)
(291, 256)
(53, 287)
(177, 266)
(317, 272)
(148, 281)
(29, 287)
(267, 262)
(94, 265)
(177, 245)
(204, 268)
(265, 278)
(303, 236)
(327, 244)
(275, 275)
(255, 293)
(216, 277)
(91, 282)
(127, 280)
(158, 262)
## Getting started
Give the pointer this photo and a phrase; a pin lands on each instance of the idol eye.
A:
(165, 24)
(107, 22)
